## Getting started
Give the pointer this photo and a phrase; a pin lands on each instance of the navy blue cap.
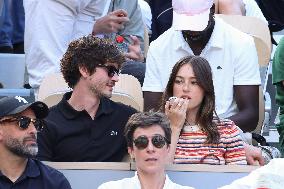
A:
(14, 105)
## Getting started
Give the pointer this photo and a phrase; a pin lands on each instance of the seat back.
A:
(261, 113)
(52, 88)
(257, 29)
(12, 70)
(127, 90)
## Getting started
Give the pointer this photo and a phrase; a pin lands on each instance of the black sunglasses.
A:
(111, 70)
(24, 122)
(142, 142)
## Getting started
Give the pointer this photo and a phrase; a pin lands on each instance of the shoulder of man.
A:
(125, 109)
(52, 177)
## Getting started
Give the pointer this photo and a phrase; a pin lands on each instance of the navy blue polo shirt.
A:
(74, 136)
(36, 176)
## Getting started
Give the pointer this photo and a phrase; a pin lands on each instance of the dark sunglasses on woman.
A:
(142, 142)
(24, 122)
(111, 70)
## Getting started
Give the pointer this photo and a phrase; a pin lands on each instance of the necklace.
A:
(190, 128)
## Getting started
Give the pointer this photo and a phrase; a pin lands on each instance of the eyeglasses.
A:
(24, 122)
(111, 70)
(142, 142)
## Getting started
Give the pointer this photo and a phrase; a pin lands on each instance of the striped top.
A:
(192, 149)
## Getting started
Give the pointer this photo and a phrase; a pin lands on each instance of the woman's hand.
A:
(176, 109)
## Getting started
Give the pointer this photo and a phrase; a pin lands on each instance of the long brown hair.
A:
(203, 74)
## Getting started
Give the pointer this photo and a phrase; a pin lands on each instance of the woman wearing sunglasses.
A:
(148, 138)
(198, 135)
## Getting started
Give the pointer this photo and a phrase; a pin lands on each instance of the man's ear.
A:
(168, 148)
(1, 134)
(130, 152)
(84, 72)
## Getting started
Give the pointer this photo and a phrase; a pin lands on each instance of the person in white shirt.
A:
(146, 14)
(231, 54)
(52, 24)
(148, 136)
(270, 176)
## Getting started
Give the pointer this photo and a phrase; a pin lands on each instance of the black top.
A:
(162, 17)
(36, 176)
(72, 135)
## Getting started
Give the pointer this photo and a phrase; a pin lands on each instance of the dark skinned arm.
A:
(247, 99)
(151, 100)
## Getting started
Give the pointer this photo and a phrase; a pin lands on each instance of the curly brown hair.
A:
(88, 52)
(203, 74)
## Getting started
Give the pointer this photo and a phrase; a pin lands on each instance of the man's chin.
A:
(107, 95)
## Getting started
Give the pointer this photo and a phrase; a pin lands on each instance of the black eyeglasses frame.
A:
(157, 140)
(24, 122)
(111, 70)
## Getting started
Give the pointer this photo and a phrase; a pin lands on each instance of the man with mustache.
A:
(86, 125)
(20, 122)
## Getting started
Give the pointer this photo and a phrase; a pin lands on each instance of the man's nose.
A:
(115, 77)
(32, 128)
(150, 147)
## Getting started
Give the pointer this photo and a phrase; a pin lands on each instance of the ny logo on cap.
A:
(20, 99)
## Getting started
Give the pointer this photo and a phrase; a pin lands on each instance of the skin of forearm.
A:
(246, 120)
(174, 141)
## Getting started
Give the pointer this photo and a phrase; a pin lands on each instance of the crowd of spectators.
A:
(201, 72)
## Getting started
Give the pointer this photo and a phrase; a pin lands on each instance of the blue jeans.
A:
(12, 28)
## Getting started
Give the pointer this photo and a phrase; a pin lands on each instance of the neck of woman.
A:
(190, 118)
(150, 181)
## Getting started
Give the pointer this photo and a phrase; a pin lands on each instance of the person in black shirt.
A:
(19, 123)
(86, 126)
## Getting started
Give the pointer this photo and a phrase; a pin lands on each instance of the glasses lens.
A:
(24, 122)
(158, 141)
(112, 71)
(39, 124)
(141, 142)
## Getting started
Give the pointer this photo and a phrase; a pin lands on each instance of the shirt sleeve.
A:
(64, 184)
(235, 153)
(135, 26)
(152, 80)
(246, 67)
(278, 63)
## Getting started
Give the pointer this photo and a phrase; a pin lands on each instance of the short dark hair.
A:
(88, 52)
(203, 74)
(145, 120)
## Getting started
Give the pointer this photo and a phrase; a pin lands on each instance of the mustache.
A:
(31, 137)
(111, 83)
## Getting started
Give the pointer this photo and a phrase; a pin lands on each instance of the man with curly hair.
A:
(86, 125)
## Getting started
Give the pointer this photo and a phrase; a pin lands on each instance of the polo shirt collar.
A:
(70, 113)
(216, 40)
(31, 171)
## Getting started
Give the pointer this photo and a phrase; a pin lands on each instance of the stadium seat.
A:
(12, 70)
(127, 90)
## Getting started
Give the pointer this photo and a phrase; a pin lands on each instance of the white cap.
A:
(191, 15)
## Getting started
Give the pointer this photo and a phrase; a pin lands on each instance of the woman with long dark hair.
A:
(198, 134)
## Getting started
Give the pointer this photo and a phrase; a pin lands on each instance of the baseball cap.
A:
(17, 104)
(191, 15)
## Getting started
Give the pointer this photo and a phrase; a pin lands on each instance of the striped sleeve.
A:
(235, 153)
